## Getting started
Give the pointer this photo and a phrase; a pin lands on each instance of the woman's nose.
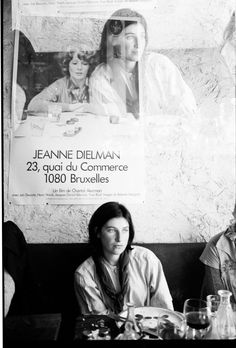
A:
(118, 236)
(79, 65)
(136, 42)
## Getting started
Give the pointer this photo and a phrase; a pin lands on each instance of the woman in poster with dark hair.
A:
(130, 79)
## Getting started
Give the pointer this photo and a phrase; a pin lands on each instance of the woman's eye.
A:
(110, 230)
(126, 230)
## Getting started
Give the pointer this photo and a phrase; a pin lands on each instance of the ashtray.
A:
(72, 132)
(72, 120)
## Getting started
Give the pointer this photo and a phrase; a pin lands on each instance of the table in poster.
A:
(81, 158)
(73, 124)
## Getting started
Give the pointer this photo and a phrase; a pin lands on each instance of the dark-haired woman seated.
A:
(118, 272)
(70, 91)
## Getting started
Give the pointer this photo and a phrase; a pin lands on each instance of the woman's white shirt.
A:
(162, 90)
(147, 284)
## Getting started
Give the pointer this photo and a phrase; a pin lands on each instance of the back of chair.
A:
(54, 266)
(183, 269)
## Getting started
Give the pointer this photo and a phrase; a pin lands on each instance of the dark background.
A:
(36, 70)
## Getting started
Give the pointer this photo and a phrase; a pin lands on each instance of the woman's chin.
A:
(118, 250)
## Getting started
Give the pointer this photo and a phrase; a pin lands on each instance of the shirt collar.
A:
(227, 242)
(231, 232)
(71, 86)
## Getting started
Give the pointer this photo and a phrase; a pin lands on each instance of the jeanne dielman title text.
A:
(82, 162)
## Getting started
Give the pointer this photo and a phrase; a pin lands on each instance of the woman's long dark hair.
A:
(117, 16)
(113, 300)
(104, 213)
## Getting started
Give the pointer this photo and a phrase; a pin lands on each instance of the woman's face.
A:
(132, 42)
(114, 236)
(78, 69)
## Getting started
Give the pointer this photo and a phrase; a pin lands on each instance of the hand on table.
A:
(78, 106)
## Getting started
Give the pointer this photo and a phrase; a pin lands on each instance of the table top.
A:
(213, 334)
(37, 327)
(93, 322)
(71, 124)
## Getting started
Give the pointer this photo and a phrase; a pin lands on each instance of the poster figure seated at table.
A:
(18, 105)
(129, 79)
(71, 91)
(118, 272)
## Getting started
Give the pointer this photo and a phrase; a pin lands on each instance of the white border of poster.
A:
(80, 159)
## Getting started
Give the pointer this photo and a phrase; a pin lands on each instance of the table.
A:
(72, 124)
(37, 327)
(213, 334)
(82, 159)
(91, 322)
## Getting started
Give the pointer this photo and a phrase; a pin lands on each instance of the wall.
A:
(190, 174)
(167, 21)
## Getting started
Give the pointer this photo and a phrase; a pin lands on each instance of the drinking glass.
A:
(226, 324)
(167, 330)
(213, 302)
(198, 318)
(54, 112)
(37, 126)
(114, 119)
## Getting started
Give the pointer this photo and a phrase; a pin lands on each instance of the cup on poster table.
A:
(54, 112)
(37, 125)
(114, 119)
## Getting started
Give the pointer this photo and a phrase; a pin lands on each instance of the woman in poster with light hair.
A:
(70, 91)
